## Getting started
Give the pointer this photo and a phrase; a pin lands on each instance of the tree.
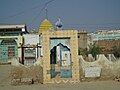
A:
(94, 49)
(83, 51)
(116, 51)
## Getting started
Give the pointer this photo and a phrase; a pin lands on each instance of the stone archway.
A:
(8, 42)
(47, 37)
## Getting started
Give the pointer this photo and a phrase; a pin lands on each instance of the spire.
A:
(46, 13)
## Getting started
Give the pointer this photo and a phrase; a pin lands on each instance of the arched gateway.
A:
(60, 56)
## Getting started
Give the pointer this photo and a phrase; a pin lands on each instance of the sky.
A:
(89, 15)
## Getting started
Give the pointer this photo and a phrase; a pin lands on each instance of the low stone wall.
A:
(108, 69)
(26, 74)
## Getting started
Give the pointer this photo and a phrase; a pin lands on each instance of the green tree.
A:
(83, 51)
(116, 51)
(94, 49)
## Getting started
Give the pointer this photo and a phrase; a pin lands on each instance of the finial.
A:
(59, 24)
(46, 16)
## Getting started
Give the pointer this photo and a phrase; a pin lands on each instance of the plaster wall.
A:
(21, 72)
(109, 69)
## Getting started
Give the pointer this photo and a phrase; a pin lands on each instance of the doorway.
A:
(8, 49)
(60, 58)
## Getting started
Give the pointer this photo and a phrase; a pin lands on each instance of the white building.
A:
(31, 48)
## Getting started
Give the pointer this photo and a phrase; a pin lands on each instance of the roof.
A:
(11, 26)
(82, 32)
(23, 26)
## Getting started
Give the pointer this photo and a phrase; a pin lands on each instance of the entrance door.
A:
(8, 50)
(60, 59)
(11, 52)
(3, 53)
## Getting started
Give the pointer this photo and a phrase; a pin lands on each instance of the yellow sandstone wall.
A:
(72, 34)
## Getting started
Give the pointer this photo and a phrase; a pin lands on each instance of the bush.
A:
(116, 51)
(93, 49)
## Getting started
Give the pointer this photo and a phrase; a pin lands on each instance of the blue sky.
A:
(89, 15)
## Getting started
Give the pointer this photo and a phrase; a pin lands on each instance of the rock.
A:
(27, 81)
(117, 78)
(15, 81)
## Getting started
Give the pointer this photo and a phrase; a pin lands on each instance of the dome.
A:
(45, 25)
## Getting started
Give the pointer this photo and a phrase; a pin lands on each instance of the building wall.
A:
(11, 36)
(31, 48)
(82, 39)
(108, 31)
(31, 39)
(21, 74)
(106, 40)
(105, 36)
(107, 46)
(108, 69)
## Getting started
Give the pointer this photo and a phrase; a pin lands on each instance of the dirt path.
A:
(101, 85)
(5, 76)
(5, 71)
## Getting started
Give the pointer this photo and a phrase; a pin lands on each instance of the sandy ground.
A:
(94, 85)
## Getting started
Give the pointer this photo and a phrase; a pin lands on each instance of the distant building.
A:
(107, 46)
(31, 49)
(82, 39)
(11, 40)
(106, 39)
(108, 32)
